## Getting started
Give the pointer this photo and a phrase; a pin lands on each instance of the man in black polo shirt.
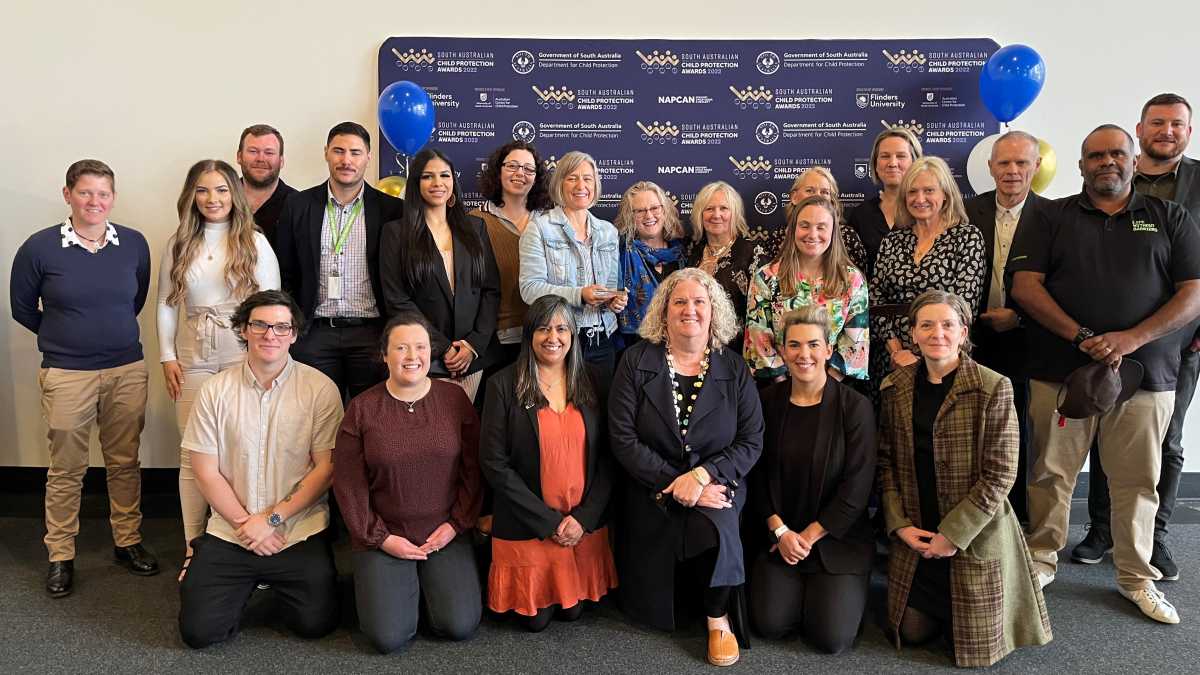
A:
(1164, 172)
(1106, 274)
(260, 154)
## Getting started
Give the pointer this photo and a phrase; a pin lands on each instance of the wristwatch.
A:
(274, 520)
(780, 531)
(1083, 334)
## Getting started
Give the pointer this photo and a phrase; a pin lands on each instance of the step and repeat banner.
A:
(754, 113)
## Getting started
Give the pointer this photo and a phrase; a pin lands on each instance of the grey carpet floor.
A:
(118, 623)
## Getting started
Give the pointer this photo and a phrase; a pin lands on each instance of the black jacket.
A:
(844, 464)
(510, 455)
(1004, 352)
(724, 436)
(468, 313)
(298, 241)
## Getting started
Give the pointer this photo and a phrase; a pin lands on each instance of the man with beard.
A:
(260, 154)
(327, 241)
(1106, 274)
(1162, 171)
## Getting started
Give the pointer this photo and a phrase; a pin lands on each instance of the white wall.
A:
(151, 86)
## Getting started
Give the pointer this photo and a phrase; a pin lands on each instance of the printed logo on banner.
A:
(941, 97)
(766, 202)
(449, 61)
(494, 98)
(613, 172)
(956, 62)
(683, 170)
(766, 132)
(524, 131)
(576, 131)
(862, 170)
(443, 99)
(708, 133)
(659, 133)
(751, 168)
(555, 97)
(550, 163)
(912, 125)
(581, 60)
(451, 131)
(412, 60)
(824, 59)
(877, 97)
(791, 168)
(751, 98)
(905, 61)
(684, 99)
(767, 62)
(683, 202)
(659, 62)
(671, 196)
(957, 132)
(523, 62)
(802, 99)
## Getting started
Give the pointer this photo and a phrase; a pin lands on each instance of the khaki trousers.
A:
(72, 400)
(1130, 439)
(204, 345)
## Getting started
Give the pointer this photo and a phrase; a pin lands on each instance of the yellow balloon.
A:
(1045, 172)
(393, 185)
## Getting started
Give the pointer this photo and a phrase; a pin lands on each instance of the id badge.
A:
(333, 287)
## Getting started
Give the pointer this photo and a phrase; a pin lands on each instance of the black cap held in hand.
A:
(1096, 388)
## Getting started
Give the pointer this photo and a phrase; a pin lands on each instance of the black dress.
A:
(868, 221)
(796, 454)
(931, 584)
(734, 272)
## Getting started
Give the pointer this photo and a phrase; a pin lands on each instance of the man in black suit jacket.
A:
(998, 335)
(1164, 172)
(327, 241)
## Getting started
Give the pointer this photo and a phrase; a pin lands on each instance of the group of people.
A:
(661, 406)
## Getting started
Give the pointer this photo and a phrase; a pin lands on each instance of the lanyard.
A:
(334, 216)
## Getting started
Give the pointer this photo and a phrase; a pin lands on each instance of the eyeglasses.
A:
(652, 211)
(279, 329)
(515, 167)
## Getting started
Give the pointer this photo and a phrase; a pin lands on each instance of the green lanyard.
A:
(340, 236)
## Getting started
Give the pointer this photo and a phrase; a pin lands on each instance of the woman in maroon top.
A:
(407, 480)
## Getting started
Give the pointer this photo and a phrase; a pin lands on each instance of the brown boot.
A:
(722, 648)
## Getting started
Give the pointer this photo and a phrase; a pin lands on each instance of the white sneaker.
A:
(1044, 579)
(1153, 604)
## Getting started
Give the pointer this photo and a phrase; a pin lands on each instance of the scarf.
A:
(637, 275)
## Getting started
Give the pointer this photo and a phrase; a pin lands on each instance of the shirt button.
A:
(687, 448)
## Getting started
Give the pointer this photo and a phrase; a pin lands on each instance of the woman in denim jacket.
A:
(569, 252)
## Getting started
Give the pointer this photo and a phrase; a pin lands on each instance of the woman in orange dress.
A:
(543, 449)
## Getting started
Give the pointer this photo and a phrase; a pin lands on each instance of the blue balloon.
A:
(406, 116)
(1011, 80)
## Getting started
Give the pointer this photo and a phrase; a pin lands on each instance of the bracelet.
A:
(695, 473)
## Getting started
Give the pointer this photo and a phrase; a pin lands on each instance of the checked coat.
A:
(996, 604)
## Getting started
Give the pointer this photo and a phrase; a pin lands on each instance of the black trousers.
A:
(388, 592)
(222, 577)
(347, 355)
(1099, 504)
(827, 609)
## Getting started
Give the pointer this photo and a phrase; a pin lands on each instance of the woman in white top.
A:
(213, 261)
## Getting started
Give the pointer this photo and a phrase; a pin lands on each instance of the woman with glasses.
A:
(215, 259)
(514, 183)
(652, 246)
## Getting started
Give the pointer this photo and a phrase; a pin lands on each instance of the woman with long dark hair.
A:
(438, 261)
(215, 259)
(544, 451)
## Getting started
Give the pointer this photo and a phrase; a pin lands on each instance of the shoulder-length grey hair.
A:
(937, 297)
(565, 167)
(737, 210)
(625, 222)
(952, 213)
(723, 325)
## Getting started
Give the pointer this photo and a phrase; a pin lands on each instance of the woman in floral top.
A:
(812, 269)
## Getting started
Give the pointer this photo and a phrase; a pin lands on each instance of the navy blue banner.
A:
(754, 113)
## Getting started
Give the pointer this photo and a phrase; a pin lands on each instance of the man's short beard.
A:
(248, 180)
(1161, 157)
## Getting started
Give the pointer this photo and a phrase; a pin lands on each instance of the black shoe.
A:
(1095, 544)
(1163, 562)
(137, 559)
(59, 578)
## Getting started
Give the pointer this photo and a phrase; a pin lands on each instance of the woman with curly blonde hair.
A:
(215, 259)
(685, 423)
(652, 247)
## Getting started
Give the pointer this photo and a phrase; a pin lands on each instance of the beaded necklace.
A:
(685, 402)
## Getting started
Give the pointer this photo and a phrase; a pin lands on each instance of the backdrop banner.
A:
(754, 113)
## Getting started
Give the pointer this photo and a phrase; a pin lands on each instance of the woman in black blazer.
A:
(438, 261)
(685, 423)
(809, 495)
(544, 451)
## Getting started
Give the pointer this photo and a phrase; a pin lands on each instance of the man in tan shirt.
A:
(261, 440)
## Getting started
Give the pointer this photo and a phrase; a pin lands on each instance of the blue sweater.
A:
(89, 301)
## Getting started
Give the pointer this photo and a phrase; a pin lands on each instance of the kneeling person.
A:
(260, 438)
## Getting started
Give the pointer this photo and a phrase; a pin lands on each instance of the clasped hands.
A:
(928, 544)
(688, 491)
(256, 534)
(458, 358)
(796, 546)
(399, 547)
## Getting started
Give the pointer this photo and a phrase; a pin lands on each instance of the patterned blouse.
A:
(733, 273)
(848, 325)
(955, 263)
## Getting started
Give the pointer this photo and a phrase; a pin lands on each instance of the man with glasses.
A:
(261, 438)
